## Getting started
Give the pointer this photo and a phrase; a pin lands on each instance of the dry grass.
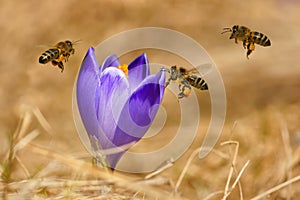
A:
(41, 154)
(89, 182)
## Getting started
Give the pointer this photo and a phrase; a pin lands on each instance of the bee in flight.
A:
(186, 79)
(59, 53)
(248, 37)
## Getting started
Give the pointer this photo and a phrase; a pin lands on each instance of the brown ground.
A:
(262, 92)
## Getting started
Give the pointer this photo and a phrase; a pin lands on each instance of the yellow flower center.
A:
(124, 68)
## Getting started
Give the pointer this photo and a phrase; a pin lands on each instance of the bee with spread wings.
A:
(248, 37)
(59, 53)
(187, 79)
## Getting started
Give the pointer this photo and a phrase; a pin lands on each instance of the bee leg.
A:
(180, 95)
(245, 44)
(179, 86)
(250, 48)
(235, 40)
(181, 89)
(61, 66)
(65, 57)
(167, 83)
(185, 91)
(249, 51)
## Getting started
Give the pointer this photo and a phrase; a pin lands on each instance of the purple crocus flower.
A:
(117, 108)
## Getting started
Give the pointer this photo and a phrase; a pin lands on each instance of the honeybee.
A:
(186, 79)
(59, 53)
(248, 37)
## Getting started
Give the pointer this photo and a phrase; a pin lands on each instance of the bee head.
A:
(173, 68)
(69, 43)
(235, 28)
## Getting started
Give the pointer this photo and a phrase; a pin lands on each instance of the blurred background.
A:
(262, 93)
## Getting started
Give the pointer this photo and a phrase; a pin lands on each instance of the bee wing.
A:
(202, 69)
(44, 46)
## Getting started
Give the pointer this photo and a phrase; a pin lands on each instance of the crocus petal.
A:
(138, 70)
(88, 78)
(110, 61)
(138, 112)
(137, 115)
(113, 93)
(147, 95)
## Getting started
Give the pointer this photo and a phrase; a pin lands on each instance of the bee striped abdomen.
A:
(197, 82)
(49, 55)
(260, 39)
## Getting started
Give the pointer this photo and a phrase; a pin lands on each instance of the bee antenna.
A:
(77, 41)
(226, 30)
